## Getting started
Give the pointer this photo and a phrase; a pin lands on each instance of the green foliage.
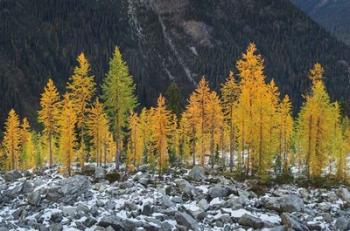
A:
(119, 96)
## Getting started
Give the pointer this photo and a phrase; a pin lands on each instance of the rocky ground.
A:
(182, 200)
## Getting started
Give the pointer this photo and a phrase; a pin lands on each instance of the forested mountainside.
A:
(332, 14)
(163, 41)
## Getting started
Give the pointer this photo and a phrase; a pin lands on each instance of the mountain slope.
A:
(162, 41)
(332, 14)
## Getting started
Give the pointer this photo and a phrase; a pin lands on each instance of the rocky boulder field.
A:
(181, 200)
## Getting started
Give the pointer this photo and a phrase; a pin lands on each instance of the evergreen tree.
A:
(48, 115)
(81, 89)
(174, 99)
(119, 98)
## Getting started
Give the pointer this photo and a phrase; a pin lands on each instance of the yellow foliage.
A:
(48, 115)
(136, 143)
(160, 118)
(255, 110)
(12, 140)
(81, 88)
(315, 122)
(97, 124)
(27, 146)
(229, 98)
(67, 122)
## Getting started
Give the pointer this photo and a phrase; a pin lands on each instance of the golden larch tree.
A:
(285, 132)
(49, 114)
(160, 118)
(198, 105)
(314, 124)
(81, 89)
(27, 146)
(67, 135)
(215, 120)
(97, 125)
(136, 144)
(229, 99)
(12, 140)
(255, 111)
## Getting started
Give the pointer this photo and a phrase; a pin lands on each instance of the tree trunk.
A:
(308, 157)
(50, 150)
(117, 155)
(231, 146)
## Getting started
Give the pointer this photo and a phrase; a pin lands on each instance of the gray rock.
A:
(251, 221)
(344, 194)
(83, 208)
(197, 173)
(277, 228)
(177, 200)
(69, 211)
(203, 204)
(293, 223)
(13, 175)
(165, 226)
(219, 191)
(27, 187)
(225, 219)
(184, 186)
(99, 173)
(113, 221)
(55, 227)
(147, 210)
(186, 220)
(289, 203)
(69, 189)
(34, 198)
(89, 221)
(56, 217)
(342, 223)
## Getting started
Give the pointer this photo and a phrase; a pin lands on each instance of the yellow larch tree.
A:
(314, 124)
(12, 140)
(255, 109)
(285, 133)
(81, 89)
(97, 126)
(338, 145)
(215, 120)
(174, 140)
(48, 115)
(27, 146)
(198, 105)
(160, 122)
(146, 135)
(67, 134)
(229, 98)
(135, 144)
(188, 126)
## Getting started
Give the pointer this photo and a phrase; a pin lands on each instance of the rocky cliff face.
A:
(162, 41)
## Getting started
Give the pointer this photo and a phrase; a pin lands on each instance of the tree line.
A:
(246, 128)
